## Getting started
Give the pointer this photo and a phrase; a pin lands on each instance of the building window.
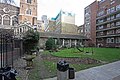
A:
(101, 33)
(108, 18)
(118, 7)
(112, 17)
(17, 31)
(101, 27)
(0, 19)
(108, 25)
(14, 21)
(112, 2)
(112, 9)
(100, 20)
(108, 11)
(112, 25)
(110, 32)
(118, 15)
(118, 40)
(102, 1)
(20, 30)
(100, 39)
(29, 1)
(6, 20)
(118, 31)
(101, 13)
(110, 40)
(29, 12)
(118, 23)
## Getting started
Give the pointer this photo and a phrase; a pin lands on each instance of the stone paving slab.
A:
(109, 71)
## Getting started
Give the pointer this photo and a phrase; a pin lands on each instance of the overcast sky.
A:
(52, 7)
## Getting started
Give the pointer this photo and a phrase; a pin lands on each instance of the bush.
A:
(50, 44)
(31, 39)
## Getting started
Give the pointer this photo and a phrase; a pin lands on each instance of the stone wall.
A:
(69, 28)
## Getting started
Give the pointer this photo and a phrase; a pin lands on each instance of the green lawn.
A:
(103, 54)
(49, 68)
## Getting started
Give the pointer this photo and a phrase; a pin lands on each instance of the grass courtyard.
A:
(46, 68)
(103, 54)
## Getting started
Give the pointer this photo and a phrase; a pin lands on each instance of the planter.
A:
(29, 61)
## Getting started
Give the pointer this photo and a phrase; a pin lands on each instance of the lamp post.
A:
(21, 46)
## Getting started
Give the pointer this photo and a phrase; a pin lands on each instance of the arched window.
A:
(20, 30)
(6, 20)
(14, 20)
(0, 19)
(29, 12)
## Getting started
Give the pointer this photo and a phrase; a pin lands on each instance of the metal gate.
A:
(6, 53)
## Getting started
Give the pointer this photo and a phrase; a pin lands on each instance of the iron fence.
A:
(8, 53)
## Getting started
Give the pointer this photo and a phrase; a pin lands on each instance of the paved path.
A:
(105, 72)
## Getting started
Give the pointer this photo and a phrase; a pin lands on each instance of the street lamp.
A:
(21, 45)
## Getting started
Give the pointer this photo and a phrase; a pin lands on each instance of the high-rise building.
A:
(65, 23)
(51, 26)
(28, 11)
(108, 23)
(40, 26)
(81, 29)
(45, 21)
(90, 13)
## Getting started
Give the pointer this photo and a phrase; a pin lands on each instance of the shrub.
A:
(31, 39)
(50, 44)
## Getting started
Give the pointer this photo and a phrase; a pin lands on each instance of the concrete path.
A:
(109, 71)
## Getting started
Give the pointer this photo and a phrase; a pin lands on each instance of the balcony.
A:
(108, 29)
(110, 35)
(114, 20)
(106, 15)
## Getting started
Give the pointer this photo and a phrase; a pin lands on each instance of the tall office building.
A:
(108, 23)
(90, 13)
(65, 23)
(28, 11)
(45, 21)
(51, 26)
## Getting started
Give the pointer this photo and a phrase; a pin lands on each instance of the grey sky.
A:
(52, 7)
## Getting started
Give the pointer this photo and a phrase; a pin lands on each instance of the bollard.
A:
(62, 70)
(71, 73)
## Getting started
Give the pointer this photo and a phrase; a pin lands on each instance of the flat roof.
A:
(65, 36)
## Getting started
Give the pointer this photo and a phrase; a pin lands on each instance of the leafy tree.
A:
(31, 39)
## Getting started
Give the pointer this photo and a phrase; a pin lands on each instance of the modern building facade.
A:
(90, 13)
(108, 23)
(65, 23)
(81, 30)
(51, 26)
(40, 26)
(45, 22)
(28, 11)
